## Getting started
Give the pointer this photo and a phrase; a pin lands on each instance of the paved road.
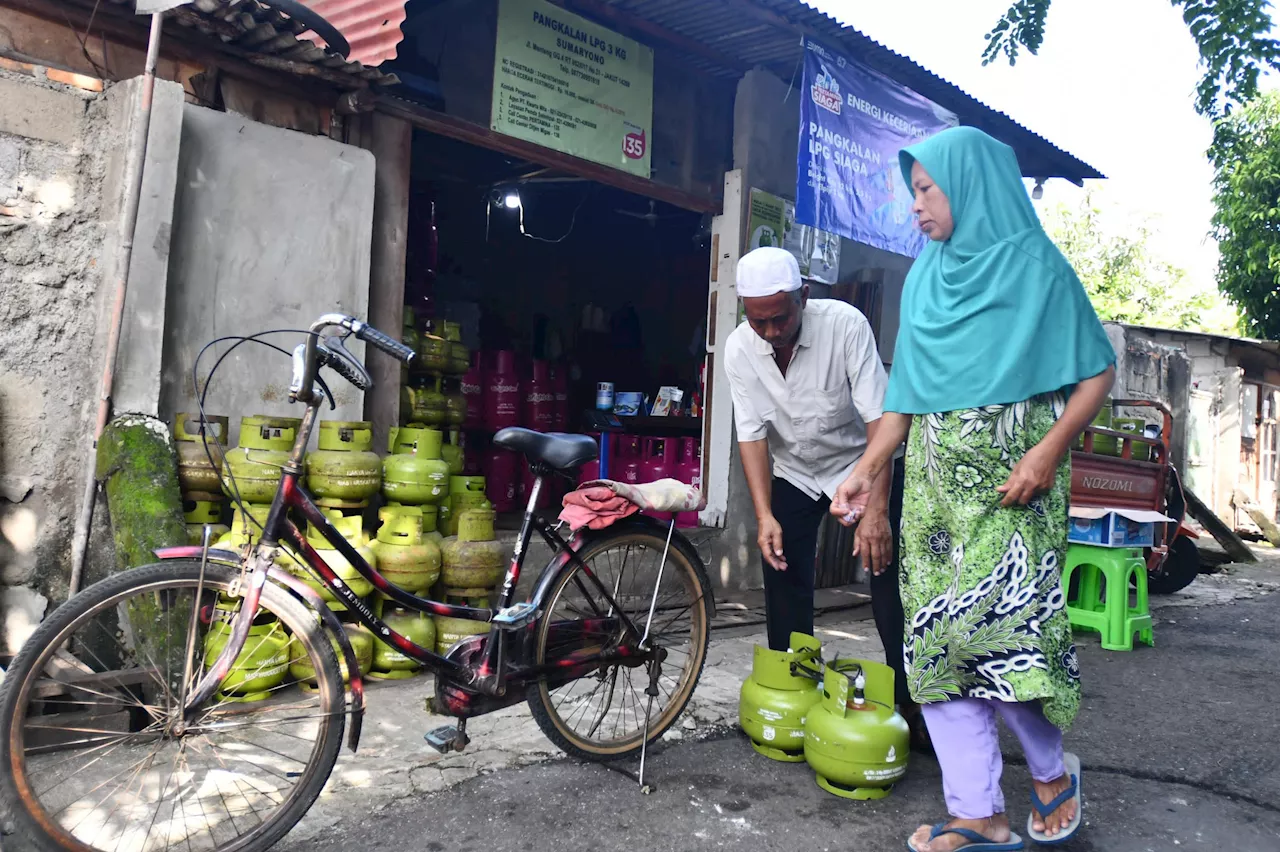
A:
(1180, 744)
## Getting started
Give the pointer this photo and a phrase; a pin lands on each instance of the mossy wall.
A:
(138, 465)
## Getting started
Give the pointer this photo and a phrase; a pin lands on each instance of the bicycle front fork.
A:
(248, 586)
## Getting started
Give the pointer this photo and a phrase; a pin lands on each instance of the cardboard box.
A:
(1112, 527)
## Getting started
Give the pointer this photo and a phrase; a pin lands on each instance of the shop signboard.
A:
(772, 222)
(853, 122)
(570, 85)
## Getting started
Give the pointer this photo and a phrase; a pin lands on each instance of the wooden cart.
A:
(1126, 482)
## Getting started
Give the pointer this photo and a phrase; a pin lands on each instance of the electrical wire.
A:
(573, 220)
(234, 489)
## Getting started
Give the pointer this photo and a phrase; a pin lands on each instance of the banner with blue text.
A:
(853, 122)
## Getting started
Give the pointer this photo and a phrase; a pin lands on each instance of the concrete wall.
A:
(271, 228)
(51, 250)
(62, 184)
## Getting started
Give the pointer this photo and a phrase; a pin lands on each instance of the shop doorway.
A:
(549, 275)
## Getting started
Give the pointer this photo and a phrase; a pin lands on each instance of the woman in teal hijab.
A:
(1000, 364)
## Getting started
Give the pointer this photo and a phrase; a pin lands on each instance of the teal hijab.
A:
(995, 314)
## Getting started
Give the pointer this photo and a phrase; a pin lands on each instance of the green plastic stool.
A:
(1097, 607)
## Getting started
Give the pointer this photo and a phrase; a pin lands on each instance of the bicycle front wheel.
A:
(93, 758)
(603, 716)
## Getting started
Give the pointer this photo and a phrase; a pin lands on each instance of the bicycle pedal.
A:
(516, 616)
(446, 738)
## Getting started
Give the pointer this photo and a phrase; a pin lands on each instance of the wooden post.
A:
(390, 139)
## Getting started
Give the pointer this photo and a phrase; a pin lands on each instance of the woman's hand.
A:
(851, 498)
(1032, 476)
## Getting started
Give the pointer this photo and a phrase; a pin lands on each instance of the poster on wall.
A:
(570, 85)
(772, 222)
(853, 122)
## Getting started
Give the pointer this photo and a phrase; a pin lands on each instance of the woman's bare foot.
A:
(996, 828)
(1057, 821)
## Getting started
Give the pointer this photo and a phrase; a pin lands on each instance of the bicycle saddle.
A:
(554, 449)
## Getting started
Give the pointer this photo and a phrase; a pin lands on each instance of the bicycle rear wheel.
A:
(90, 758)
(601, 716)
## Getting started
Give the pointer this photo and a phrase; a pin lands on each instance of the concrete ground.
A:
(1180, 745)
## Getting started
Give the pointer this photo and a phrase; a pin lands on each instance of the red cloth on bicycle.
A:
(595, 508)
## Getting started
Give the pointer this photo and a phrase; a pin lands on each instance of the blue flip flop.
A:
(977, 843)
(1044, 809)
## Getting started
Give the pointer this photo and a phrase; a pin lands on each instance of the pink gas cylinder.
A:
(540, 399)
(689, 471)
(560, 388)
(591, 470)
(473, 389)
(502, 479)
(658, 462)
(502, 393)
(627, 459)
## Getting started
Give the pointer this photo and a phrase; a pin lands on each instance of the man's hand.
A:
(873, 540)
(770, 540)
(1032, 476)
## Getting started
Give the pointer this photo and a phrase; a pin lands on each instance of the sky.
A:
(1113, 84)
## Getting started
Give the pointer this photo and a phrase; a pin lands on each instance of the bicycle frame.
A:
(488, 678)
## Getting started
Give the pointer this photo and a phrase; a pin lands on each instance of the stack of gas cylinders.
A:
(502, 398)
(432, 535)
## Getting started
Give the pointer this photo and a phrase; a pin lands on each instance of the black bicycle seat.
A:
(554, 449)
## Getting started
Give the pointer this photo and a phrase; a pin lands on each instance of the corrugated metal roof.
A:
(371, 27)
(767, 33)
(264, 33)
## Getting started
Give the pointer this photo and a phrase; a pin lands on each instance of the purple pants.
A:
(967, 744)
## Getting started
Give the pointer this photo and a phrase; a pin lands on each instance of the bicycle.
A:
(148, 697)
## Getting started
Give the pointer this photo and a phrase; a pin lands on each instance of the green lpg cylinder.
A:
(465, 492)
(196, 471)
(424, 403)
(201, 513)
(262, 664)
(244, 528)
(453, 454)
(455, 405)
(774, 702)
(451, 631)
(435, 353)
(361, 643)
(459, 354)
(854, 740)
(473, 560)
(388, 662)
(254, 467)
(415, 475)
(345, 467)
(405, 556)
(409, 337)
(350, 529)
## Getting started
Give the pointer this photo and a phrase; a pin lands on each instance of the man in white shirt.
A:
(808, 388)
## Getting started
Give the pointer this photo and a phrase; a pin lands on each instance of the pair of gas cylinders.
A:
(838, 717)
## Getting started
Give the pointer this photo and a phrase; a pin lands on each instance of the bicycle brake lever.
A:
(345, 364)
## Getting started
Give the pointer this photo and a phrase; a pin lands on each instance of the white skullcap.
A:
(766, 271)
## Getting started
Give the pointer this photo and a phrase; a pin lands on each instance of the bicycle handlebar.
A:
(308, 358)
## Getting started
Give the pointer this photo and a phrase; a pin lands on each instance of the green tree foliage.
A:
(1125, 279)
(1247, 222)
(1233, 36)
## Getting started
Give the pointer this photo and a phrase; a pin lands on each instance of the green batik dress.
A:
(985, 609)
